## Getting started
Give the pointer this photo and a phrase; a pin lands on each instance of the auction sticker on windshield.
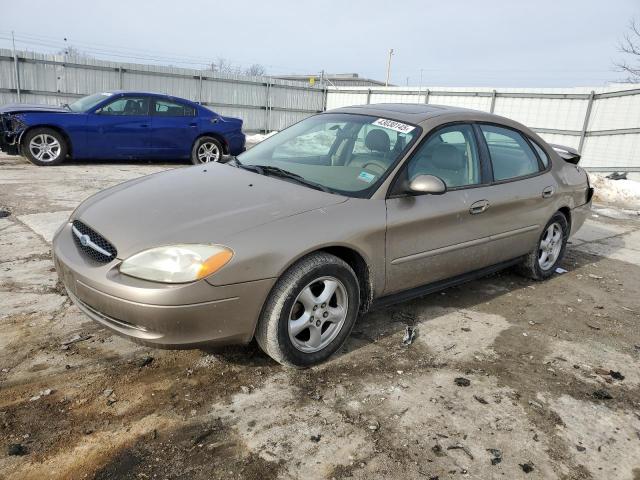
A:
(393, 125)
(366, 177)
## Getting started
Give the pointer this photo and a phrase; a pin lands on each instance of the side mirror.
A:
(430, 184)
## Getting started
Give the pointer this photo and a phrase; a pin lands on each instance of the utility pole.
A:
(15, 65)
(386, 84)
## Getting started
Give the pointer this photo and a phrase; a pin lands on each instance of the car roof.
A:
(154, 94)
(406, 112)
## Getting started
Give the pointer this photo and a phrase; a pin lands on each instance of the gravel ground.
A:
(507, 378)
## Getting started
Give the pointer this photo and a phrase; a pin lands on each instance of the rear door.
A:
(174, 128)
(521, 198)
(120, 129)
(434, 237)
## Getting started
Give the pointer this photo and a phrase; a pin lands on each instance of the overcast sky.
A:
(502, 43)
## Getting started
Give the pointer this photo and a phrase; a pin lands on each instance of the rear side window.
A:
(511, 155)
(172, 109)
(544, 158)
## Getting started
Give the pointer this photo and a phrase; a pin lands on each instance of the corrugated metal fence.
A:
(263, 103)
(602, 123)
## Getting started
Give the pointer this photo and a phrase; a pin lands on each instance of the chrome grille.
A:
(94, 245)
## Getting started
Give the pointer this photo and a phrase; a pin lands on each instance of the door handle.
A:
(194, 125)
(144, 125)
(548, 192)
(479, 207)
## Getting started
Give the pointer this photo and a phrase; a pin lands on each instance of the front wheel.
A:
(310, 311)
(45, 146)
(543, 260)
(205, 150)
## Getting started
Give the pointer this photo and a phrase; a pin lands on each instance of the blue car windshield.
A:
(87, 103)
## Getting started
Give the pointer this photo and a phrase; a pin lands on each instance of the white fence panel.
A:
(476, 103)
(615, 113)
(561, 114)
(609, 140)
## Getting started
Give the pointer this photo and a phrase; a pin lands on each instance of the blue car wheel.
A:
(44, 146)
(205, 150)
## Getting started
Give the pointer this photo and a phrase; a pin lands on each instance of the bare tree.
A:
(223, 65)
(630, 47)
(255, 70)
(73, 52)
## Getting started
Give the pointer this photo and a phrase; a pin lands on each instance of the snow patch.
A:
(259, 137)
(621, 192)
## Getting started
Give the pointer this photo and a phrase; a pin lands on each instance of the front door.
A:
(120, 129)
(434, 237)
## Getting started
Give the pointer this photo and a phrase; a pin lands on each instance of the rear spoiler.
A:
(568, 154)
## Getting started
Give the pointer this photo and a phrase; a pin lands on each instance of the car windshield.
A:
(342, 153)
(88, 102)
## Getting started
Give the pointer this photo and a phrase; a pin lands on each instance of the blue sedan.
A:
(119, 125)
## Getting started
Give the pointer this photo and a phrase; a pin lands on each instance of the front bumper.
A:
(168, 316)
(10, 135)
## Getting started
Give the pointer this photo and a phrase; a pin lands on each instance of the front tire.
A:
(44, 147)
(206, 150)
(310, 311)
(543, 260)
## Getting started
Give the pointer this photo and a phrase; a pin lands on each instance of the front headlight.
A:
(177, 263)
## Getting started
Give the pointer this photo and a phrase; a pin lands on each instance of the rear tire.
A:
(542, 261)
(206, 150)
(44, 147)
(310, 311)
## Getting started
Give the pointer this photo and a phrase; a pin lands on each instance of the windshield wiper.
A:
(269, 170)
(236, 162)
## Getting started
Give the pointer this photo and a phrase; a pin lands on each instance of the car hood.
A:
(202, 204)
(27, 107)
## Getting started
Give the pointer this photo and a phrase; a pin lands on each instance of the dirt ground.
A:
(543, 398)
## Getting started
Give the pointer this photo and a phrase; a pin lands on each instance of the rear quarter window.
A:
(544, 158)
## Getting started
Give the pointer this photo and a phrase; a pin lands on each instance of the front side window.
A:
(511, 155)
(172, 109)
(450, 154)
(343, 153)
(126, 106)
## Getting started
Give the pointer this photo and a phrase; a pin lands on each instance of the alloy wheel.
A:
(550, 246)
(45, 148)
(208, 152)
(318, 314)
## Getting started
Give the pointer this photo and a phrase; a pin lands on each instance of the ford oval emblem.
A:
(85, 240)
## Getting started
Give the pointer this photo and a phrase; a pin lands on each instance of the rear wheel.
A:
(45, 146)
(310, 311)
(543, 260)
(205, 150)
